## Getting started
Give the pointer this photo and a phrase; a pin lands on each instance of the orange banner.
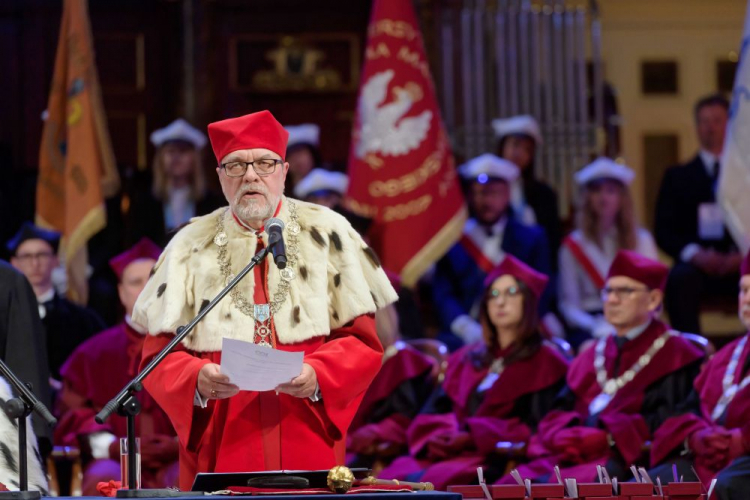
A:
(401, 169)
(76, 164)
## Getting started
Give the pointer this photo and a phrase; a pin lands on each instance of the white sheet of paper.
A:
(256, 368)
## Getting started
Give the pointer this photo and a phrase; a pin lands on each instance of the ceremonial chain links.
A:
(611, 386)
(730, 388)
(288, 274)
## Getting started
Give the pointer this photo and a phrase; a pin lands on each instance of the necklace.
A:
(610, 386)
(496, 369)
(730, 388)
(261, 313)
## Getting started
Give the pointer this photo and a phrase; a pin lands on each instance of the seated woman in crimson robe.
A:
(494, 390)
(620, 390)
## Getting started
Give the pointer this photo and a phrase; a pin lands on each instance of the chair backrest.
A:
(563, 346)
(702, 342)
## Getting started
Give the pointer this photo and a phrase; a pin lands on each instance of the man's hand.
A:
(213, 385)
(302, 386)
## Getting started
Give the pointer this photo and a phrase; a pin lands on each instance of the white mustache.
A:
(250, 188)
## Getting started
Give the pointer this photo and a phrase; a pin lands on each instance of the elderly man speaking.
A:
(322, 304)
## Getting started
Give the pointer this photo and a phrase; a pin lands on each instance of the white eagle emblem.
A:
(383, 129)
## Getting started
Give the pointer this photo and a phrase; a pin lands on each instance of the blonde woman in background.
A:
(605, 224)
(176, 191)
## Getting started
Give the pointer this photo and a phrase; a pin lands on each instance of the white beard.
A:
(254, 210)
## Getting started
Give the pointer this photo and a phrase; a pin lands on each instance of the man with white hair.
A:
(714, 432)
(322, 304)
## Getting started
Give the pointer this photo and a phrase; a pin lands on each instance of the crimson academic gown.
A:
(576, 440)
(670, 437)
(400, 389)
(508, 411)
(256, 431)
(93, 374)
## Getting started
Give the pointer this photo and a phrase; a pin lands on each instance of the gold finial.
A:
(340, 479)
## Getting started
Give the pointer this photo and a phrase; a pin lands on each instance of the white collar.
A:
(633, 333)
(709, 159)
(46, 296)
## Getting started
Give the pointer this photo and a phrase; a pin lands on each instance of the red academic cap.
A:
(651, 273)
(256, 130)
(533, 279)
(745, 266)
(144, 249)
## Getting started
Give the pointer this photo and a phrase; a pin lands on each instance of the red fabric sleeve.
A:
(487, 431)
(345, 365)
(425, 427)
(672, 434)
(629, 432)
(391, 429)
(172, 384)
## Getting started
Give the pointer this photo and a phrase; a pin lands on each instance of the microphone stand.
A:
(19, 408)
(127, 405)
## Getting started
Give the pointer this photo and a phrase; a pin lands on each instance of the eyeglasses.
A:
(621, 292)
(29, 257)
(513, 291)
(262, 167)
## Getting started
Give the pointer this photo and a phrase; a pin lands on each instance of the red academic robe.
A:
(398, 392)
(508, 411)
(256, 431)
(708, 386)
(578, 441)
(93, 374)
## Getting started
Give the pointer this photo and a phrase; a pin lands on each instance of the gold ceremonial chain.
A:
(730, 388)
(496, 369)
(288, 274)
(611, 386)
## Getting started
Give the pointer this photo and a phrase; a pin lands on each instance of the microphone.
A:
(275, 227)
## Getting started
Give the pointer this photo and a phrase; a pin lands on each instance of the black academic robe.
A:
(22, 342)
(66, 326)
(543, 200)
(146, 214)
(683, 189)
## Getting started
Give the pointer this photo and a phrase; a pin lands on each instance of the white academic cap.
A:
(320, 179)
(604, 168)
(179, 130)
(488, 166)
(306, 133)
(521, 124)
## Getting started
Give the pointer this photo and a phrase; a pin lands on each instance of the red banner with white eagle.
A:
(401, 169)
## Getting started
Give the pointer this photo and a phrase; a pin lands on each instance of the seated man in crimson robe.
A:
(95, 373)
(621, 389)
(714, 434)
(497, 389)
(322, 304)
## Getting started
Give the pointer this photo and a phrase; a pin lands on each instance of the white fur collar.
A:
(338, 277)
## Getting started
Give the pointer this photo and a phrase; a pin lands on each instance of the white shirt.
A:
(45, 297)
(709, 162)
(577, 293)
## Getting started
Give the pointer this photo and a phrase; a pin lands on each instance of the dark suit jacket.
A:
(22, 342)
(458, 280)
(683, 189)
(543, 199)
(146, 214)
